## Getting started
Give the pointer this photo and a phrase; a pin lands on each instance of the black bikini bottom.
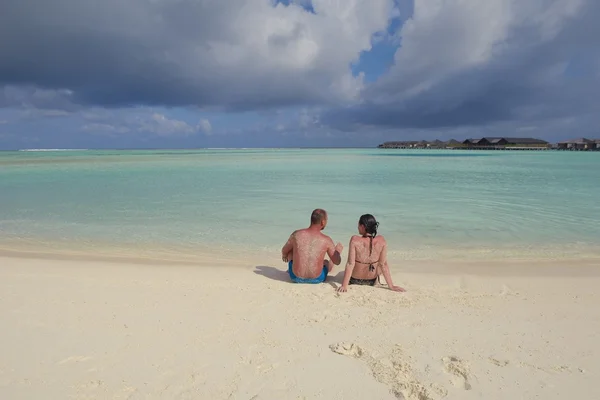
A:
(369, 282)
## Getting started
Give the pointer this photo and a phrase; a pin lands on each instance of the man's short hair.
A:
(318, 216)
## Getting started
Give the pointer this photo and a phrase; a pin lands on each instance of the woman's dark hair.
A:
(371, 225)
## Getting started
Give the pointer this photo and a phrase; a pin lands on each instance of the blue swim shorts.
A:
(318, 279)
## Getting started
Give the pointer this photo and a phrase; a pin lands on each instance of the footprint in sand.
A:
(458, 369)
(562, 368)
(499, 363)
(319, 317)
(346, 349)
(395, 372)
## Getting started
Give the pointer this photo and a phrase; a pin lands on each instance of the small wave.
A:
(53, 149)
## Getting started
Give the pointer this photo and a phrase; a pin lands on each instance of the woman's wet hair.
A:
(371, 225)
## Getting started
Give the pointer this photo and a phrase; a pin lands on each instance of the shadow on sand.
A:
(283, 276)
(272, 273)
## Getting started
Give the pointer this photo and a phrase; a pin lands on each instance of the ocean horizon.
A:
(431, 204)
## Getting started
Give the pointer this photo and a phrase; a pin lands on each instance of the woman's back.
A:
(366, 255)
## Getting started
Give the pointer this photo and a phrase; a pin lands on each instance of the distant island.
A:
(496, 143)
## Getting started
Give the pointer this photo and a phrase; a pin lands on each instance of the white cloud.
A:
(44, 113)
(142, 122)
(472, 63)
(105, 128)
(308, 119)
(31, 98)
(160, 125)
(445, 37)
(204, 126)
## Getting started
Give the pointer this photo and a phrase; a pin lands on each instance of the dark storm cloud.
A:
(240, 55)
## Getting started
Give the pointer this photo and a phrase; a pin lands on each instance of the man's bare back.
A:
(308, 252)
(306, 248)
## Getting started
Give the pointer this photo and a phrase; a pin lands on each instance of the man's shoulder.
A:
(325, 237)
(301, 233)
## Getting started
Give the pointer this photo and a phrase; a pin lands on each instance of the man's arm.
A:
(287, 247)
(335, 252)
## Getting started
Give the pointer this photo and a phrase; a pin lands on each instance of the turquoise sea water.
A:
(430, 203)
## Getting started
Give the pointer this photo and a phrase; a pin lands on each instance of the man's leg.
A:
(293, 277)
(324, 272)
(290, 262)
(329, 265)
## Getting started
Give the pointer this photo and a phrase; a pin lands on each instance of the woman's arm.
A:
(349, 266)
(383, 265)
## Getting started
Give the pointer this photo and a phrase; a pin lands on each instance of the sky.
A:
(295, 73)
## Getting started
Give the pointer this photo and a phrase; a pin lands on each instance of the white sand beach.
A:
(87, 329)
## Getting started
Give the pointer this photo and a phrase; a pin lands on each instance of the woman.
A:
(367, 257)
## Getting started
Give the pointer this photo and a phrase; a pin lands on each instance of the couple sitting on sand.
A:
(367, 254)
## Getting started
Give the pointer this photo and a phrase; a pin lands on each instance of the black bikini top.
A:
(371, 267)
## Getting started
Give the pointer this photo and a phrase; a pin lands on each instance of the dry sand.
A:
(113, 330)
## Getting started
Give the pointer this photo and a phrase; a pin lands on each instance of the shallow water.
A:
(430, 203)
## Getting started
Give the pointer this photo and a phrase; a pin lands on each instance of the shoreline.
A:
(197, 254)
(515, 267)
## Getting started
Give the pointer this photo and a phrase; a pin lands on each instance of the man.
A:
(306, 248)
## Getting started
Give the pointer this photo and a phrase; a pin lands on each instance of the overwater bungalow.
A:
(454, 144)
(580, 144)
(421, 144)
(437, 144)
(399, 145)
(506, 143)
(496, 143)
